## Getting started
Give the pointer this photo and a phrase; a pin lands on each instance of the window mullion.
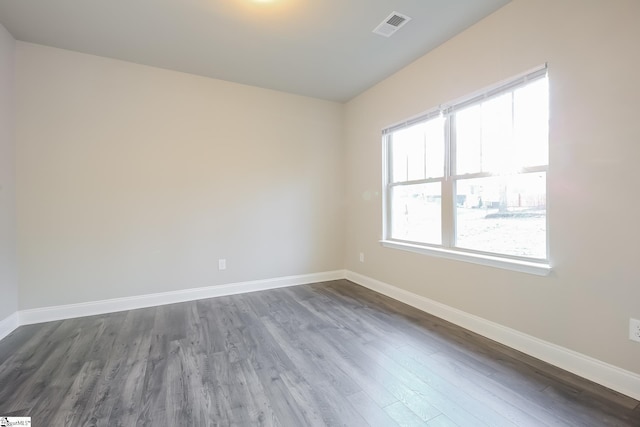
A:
(448, 203)
(415, 182)
(387, 161)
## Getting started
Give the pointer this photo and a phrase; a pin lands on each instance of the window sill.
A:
(539, 269)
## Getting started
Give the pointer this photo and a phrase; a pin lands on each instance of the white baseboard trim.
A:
(8, 325)
(70, 311)
(620, 380)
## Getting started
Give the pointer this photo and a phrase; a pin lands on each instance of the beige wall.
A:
(8, 279)
(134, 180)
(592, 50)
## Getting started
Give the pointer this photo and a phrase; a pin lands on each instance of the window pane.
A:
(468, 140)
(416, 213)
(505, 133)
(484, 135)
(497, 134)
(503, 215)
(418, 151)
(531, 123)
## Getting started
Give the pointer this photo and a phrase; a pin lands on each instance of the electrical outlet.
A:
(222, 264)
(361, 256)
(634, 330)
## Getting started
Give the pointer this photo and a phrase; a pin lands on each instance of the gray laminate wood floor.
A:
(325, 354)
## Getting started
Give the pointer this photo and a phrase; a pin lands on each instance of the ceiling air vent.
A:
(391, 24)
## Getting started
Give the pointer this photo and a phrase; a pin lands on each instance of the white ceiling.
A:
(319, 48)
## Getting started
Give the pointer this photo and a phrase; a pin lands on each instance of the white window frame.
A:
(447, 249)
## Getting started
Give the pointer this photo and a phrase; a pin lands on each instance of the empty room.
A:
(319, 213)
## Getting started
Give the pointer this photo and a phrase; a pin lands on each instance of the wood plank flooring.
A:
(328, 354)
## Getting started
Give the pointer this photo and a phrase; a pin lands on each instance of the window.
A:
(469, 180)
